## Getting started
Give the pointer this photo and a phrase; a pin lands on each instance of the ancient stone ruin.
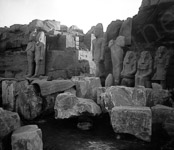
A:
(122, 78)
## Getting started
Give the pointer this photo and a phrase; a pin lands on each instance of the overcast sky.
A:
(83, 13)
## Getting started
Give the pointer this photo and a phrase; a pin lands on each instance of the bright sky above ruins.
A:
(82, 13)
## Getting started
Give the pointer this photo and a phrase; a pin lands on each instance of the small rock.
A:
(156, 86)
(132, 120)
(27, 138)
(84, 125)
(157, 96)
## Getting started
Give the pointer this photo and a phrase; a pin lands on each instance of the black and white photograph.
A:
(86, 74)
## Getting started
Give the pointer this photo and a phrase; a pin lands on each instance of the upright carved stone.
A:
(160, 66)
(144, 70)
(97, 50)
(129, 69)
(117, 57)
(40, 54)
(30, 52)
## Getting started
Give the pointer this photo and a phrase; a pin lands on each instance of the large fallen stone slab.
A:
(54, 86)
(122, 96)
(136, 121)
(27, 138)
(161, 113)
(87, 86)
(9, 121)
(67, 105)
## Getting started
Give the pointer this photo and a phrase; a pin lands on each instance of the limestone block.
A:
(27, 138)
(67, 105)
(132, 120)
(87, 86)
(9, 121)
(123, 96)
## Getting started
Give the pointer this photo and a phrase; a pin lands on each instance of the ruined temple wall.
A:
(14, 64)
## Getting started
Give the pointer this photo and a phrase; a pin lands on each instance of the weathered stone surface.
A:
(100, 92)
(147, 3)
(144, 70)
(161, 113)
(158, 96)
(84, 125)
(28, 103)
(126, 30)
(11, 65)
(154, 25)
(84, 66)
(87, 86)
(61, 60)
(9, 121)
(63, 28)
(54, 86)
(27, 138)
(117, 57)
(45, 25)
(129, 69)
(169, 126)
(17, 36)
(109, 80)
(75, 30)
(123, 96)
(48, 103)
(161, 63)
(113, 30)
(132, 120)
(68, 105)
(71, 90)
(156, 86)
(8, 94)
(10, 89)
